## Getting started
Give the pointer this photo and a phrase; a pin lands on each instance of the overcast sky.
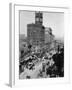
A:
(50, 19)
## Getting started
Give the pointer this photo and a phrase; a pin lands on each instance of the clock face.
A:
(37, 19)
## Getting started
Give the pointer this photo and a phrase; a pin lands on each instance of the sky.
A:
(54, 20)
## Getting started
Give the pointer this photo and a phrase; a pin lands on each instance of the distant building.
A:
(49, 37)
(36, 32)
(58, 43)
(22, 38)
(22, 44)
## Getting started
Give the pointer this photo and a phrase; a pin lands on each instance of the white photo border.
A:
(14, 62)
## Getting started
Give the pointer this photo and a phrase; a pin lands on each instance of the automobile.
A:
(44, 58)
(30, 65)
(28, 77)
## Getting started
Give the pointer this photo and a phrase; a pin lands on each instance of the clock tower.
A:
(38, 18)
(36, 31)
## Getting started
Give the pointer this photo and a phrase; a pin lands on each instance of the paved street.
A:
(34, 73)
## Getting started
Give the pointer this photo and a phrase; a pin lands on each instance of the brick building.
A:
(36, 31)
(49, 37)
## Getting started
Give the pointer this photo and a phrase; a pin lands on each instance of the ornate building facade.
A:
(36, 31)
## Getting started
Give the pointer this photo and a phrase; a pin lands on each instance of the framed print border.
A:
(14, 45)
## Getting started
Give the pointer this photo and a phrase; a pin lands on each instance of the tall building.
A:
(38, 18)
(36, 31)
(49, 37)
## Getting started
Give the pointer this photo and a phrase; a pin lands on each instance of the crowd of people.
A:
(52, 62)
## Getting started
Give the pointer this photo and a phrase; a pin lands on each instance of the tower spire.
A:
(38, 17)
